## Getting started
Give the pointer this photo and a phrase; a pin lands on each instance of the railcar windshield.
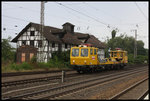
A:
(75, 52)
(84, 52)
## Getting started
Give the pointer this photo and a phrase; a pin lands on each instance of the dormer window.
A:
(68, 27)
(32, 33)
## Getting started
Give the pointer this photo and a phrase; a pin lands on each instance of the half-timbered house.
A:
(29, 41)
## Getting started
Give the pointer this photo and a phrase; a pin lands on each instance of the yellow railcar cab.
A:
(83, 55)
(87, 58)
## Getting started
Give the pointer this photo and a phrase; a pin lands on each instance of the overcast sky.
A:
(96, 18)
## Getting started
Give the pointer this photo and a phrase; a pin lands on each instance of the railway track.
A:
(125, 91)
(33, 80)
(44, 81)
(31, 73)
(74, 86)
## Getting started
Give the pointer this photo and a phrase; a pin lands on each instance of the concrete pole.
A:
(135, 45)
(63, 76)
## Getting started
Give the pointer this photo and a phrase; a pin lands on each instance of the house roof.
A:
(95, 42)
(67, 23)
(48, 30)
(81, 35)
(70, 38)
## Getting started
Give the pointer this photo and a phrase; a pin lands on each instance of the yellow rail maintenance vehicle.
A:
(86, 58)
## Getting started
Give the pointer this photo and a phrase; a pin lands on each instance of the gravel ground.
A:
(135, 92)
(67, 80)
(24, 77)
(105, 91)
(88, 93)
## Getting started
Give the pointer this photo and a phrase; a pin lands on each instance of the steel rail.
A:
(31, 73)
(18, 82)
(68, 85)
(143, 95)
(127, 89)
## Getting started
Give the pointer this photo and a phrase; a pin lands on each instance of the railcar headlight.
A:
(73, 61)
(85, 61)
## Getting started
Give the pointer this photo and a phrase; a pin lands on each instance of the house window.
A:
(32, 33)
(40, 43)
(23, 42)
(53, 45)
(32, 43)
(65, 45)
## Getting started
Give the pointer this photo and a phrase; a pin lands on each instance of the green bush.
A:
(15, 67)
(130, 59)
(33, 59)
(18, 67)
(43, 65)
(25, 66)
(60, 59)
(140, 59)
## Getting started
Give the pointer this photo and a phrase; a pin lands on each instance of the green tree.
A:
(127, 43)
(113, 33)
(140, 48)
(8, 52)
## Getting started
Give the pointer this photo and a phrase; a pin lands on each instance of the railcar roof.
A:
(118, 51)
(83, 47)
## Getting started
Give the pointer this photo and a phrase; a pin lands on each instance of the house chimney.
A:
(68, 27)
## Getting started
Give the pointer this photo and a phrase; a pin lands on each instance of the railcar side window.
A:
(112, 54)
(115, 54)
(84, 52)
(75, 52)
(91, 51)
(121, 54)
(125, 53)
(94, 51)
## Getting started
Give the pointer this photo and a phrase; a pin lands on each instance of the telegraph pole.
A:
(41, 31)
(135, 44)
(135, 48)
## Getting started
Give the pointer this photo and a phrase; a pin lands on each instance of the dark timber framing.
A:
(63, 39)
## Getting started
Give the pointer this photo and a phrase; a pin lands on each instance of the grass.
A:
(27, 67)
(17, 68)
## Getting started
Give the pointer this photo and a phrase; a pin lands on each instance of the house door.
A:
(23, 57)
(31, 55)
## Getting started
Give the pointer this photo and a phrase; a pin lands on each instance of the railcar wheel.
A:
(80, 71)
(121, 66)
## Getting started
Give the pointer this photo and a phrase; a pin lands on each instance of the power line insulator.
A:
(4, 29)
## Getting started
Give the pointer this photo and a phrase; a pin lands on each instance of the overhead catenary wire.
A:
(34, 11)
(97, 9)
(59, 16)
(141, 10)
(15, 18)
(83, 14)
